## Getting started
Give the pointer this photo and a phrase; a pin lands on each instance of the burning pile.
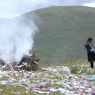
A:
(28, 62)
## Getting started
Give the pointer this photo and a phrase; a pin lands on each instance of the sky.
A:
(13, 8)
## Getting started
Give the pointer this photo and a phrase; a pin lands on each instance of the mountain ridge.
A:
(63, 32)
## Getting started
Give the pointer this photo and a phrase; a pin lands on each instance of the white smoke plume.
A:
(16, 38)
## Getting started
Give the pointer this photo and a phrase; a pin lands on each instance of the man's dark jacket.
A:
(90, 54)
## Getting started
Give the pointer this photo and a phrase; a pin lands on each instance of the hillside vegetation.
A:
(63, 32)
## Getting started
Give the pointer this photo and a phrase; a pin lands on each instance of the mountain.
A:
(63, 32)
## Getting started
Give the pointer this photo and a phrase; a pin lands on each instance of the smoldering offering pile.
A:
(57, 79)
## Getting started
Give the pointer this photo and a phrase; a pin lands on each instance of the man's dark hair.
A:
(90, 39)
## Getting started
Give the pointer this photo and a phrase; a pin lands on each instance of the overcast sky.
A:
(13, 8)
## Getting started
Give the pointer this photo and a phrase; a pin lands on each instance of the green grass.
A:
(20, 91)
(6, 90)
(67, 63)
(62, 32)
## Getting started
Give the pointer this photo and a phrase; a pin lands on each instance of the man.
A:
(90, 52)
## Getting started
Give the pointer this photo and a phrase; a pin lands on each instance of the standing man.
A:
(90, 51)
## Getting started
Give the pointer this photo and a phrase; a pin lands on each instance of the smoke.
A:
(16, 38)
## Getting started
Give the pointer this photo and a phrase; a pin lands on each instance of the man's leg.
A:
(91, 64)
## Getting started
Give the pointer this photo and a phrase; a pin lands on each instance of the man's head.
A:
(89, 40)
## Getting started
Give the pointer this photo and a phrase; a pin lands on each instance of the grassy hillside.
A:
(63, 32)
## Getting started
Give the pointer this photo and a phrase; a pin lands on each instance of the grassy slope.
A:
(63, 32)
